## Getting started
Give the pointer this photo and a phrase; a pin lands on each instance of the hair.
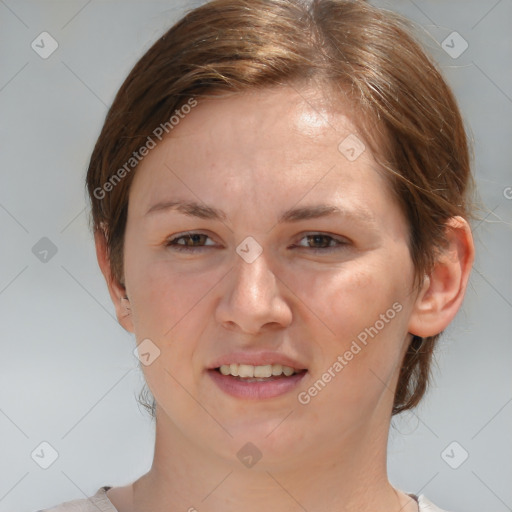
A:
(368, 56)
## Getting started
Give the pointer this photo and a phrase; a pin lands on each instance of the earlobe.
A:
(443, 290)
(116, 290)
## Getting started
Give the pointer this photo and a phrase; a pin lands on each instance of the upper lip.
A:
(257, 359)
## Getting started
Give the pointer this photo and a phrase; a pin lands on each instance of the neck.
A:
(347, 476)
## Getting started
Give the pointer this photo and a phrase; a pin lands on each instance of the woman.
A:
(280, 203)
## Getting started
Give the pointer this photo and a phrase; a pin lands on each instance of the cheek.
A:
(352, 299)
(163, 294)
(365, 308)
(171, 307)
(168, 309)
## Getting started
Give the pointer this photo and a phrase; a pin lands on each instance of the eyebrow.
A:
(203, 211)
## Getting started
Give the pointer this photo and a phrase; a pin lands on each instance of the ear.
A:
(443, 290)
(116, 289)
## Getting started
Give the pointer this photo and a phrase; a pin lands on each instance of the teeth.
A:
(288, 371)
(261, 372)
(277, 369)
(245, 370)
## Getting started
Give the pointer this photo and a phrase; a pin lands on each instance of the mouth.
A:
(256, 381)
(260, 373)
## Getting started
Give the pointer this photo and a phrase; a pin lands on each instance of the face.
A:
(294, 254)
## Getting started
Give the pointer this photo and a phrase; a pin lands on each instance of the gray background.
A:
(67, 372)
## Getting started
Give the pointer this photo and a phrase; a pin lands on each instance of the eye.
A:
(187, 242)
(193, 242)
(324, 242)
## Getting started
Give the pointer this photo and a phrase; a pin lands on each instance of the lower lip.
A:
(258, 389)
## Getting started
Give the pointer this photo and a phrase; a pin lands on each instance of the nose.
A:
(252, 301)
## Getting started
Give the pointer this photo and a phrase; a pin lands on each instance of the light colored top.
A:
(100, 502)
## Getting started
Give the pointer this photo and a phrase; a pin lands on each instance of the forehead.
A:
(257, 116)
(271, 145)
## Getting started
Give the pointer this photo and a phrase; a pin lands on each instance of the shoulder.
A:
(99, 502)
(426, 505)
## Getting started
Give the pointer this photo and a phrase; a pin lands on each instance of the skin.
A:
(254, 155)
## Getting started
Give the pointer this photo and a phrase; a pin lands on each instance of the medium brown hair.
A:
(368, 55)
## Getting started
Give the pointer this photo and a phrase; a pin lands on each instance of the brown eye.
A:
(188, 241)
(322, 242)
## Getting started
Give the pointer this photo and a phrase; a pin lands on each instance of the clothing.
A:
(100, 502)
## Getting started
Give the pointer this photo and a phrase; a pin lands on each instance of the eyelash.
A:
(171, 242)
